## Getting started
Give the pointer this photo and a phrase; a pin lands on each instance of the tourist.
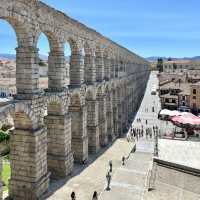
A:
(73, 196)
(142, 132)
(108, 177)
(123, 160)
(95, 196)
(110, 165)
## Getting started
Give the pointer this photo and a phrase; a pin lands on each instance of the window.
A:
(183, 98)
(173, 101)
(194, 91)
(194, 97)
(167, 100)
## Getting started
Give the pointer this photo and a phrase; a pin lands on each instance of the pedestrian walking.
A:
(123, 160)
(110, 165)
(95, 196)
(73, 196)
(108, 177)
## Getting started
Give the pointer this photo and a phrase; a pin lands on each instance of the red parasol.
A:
(186, 120)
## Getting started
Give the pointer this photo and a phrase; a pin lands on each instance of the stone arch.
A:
(92, 120)
(56, 105)
(54, 43)
(75, 99)
(89, 64)
(19, 24)
(24, 49)
(101, 98)
(78, 114)
(56, 59)
(24, 117)
(59, 156)
(90, 95)
(76, 71)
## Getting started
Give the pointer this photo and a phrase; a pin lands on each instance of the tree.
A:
(160, 64)
(42, 63)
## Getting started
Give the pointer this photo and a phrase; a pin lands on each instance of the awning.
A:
(169, 112)
(186, 119)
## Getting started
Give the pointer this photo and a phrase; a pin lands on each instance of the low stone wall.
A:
(176, 175)
(185, 153)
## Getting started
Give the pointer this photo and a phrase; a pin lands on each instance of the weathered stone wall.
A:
(182, 178)
(64, 123)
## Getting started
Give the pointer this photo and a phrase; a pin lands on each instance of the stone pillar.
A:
(109, 117)
(103, 136)
(127, 111)
(27, 71)
(56, 70)
(99, 67)
(77, 68)
(89, 67)
(112, 72)
(107, 65)
(28, 156)
(120, 128)
(123, 115)
(93, 126)
(79, 133)
(115, 121)
(59, 154)
(116, 68)
(132, 103)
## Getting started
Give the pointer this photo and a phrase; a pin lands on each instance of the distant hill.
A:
(5, 56)
(155, 58)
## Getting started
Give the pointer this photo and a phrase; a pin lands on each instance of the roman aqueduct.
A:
(107, 83)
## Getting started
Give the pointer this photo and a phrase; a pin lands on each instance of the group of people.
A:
(94, 197)
(148, 132)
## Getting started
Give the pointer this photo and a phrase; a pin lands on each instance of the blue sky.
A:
(147, 27)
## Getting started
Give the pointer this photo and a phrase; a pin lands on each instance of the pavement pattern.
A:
(128, 181)
(90, 177)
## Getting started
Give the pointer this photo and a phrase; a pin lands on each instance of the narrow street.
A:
(128, 182)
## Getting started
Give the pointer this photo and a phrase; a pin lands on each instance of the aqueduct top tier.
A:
(94, 58)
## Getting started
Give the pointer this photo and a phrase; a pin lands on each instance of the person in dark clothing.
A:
(73, 196)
